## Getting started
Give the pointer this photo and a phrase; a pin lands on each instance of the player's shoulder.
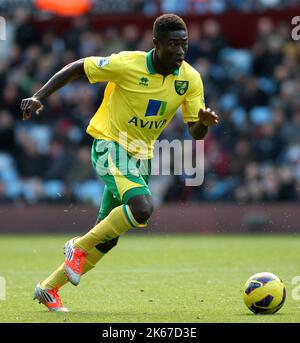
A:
(189, 71)
(131, 56)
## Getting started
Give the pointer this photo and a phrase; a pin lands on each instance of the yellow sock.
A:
(92, 259)
(58, 277)
(115, 224)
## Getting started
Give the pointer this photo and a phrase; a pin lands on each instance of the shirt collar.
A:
(150, 66)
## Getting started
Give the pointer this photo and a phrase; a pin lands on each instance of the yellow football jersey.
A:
(139, 103)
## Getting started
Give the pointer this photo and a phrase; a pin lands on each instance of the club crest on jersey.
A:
(181, 87)
(103, 61)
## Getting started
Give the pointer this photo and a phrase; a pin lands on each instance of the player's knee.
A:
(141, 207)
(107, 246)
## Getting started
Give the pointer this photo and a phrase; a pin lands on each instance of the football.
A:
(264, 293)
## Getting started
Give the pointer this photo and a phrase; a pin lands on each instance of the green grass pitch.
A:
(151, 278)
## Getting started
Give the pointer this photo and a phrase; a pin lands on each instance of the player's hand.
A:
(208, 117)
(30, 105)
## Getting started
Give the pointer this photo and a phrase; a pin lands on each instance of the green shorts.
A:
(124, 176)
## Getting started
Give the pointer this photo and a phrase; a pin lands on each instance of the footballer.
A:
(143, 93)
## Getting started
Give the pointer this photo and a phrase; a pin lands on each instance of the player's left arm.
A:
(199, 129)
(197, 117)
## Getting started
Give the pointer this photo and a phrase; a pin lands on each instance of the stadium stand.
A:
(253, 155)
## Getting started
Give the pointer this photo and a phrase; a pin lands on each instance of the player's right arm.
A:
(70, 72)
(96, 69)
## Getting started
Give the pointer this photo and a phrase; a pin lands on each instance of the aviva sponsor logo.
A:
(147, 124)
(155, 107)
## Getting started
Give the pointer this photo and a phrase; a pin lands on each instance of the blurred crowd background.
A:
(253, 155)
(154, 7)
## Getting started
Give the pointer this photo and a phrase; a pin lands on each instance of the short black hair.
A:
(166, 23)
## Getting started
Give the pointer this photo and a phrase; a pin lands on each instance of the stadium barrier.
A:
(171, 218)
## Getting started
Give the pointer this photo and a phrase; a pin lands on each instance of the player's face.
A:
(172, 48)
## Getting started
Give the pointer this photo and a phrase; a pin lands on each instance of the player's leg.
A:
(47, 290)
(108, 203)
(135, 214)
(141, 207)
(58, 278)
(128, 187)
(125, 180)
(96, 251)
(120, 220)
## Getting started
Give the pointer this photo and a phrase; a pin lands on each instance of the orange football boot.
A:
(50, 298)
(74, 262)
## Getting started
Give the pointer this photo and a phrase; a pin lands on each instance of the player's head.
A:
(170, 40)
